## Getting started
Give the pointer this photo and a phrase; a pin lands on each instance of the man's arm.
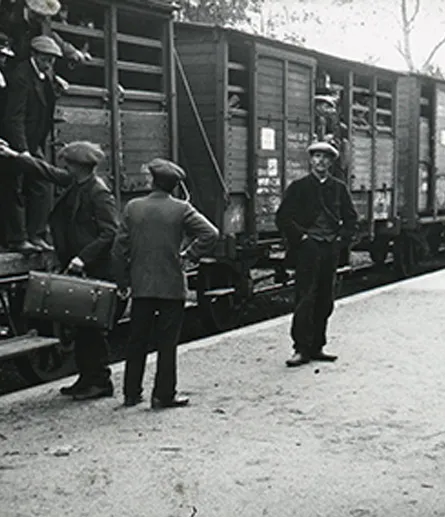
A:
(201, 231)
(32, 165)
(105, 215)
(285, 218)
(121, 253)
(348, 214)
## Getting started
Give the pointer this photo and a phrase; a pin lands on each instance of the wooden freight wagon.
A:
(245, 119)
(124, 99)
(421, 161)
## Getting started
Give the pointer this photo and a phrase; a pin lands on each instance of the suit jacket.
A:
(303, 201)
(146, 251)
(85, 227)
(29, 110)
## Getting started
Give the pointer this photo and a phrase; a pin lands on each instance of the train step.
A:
(18, 345)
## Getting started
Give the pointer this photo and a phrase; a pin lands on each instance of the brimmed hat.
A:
(323, 147)
(44, 7)
(166, 170)
(46, 45)
(83, 152)
(326, 98)
(5, 48)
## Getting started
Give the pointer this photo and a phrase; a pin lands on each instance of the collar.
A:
(2, 80)
(321, 180)
(85, 180)
(40, 74)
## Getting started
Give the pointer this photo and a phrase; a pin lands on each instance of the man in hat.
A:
(26, 125)
(83, 223)
(5, 54)
(23, 20)
(149, 261)
(317, 218)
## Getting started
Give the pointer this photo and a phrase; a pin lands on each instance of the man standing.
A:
(83, 223)
(27, 123)
(317, 218)
(149, 260)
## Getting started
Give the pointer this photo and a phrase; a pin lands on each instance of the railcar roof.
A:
(291, 47)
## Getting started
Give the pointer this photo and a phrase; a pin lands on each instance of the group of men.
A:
(142, 250)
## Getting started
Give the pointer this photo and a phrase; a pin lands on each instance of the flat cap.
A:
(165, 169)
(83, 152)
(46, 45)
(326, 98)
(44, 7)
(324, 147)
(5, 47)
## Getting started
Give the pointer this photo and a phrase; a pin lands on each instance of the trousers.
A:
(156, 322)
(315, 275)
(26, 205)
(91, 352)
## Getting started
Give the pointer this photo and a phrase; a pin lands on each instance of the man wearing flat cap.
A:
(149, 262)
(83, 223)
(27, 122)
(317, 218)
(23, 20)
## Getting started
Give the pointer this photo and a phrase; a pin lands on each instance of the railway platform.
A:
(362, 437)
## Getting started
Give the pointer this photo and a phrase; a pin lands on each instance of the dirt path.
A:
(362, 437)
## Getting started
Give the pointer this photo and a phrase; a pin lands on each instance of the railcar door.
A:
(283, 96)
(439, 151)
(83, 111)
(142, 54)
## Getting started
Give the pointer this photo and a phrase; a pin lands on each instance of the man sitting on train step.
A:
(317, 218)
(27, 123)
(84, 222)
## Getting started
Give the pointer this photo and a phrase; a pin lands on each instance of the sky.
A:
(363, 28)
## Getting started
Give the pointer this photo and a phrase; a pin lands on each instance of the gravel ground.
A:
(362, 437)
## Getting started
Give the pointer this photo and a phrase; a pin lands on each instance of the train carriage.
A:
(421, 165)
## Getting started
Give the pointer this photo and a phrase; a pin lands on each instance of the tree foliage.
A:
(220, 12)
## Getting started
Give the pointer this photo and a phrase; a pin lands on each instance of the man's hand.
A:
(124, 293)
(304, 237)
(76, 266)
(6, 151)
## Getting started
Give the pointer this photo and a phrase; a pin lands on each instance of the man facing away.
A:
(84, 223)
(148, 259)
(317, 218)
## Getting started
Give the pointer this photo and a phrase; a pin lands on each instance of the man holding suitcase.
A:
(84, 222)
(149, 261)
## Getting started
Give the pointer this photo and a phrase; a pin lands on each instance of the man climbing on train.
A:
(317, 218)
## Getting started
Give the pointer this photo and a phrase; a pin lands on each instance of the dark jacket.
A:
(303, 201)
(88, 229)
(147, 248)
(29, 111)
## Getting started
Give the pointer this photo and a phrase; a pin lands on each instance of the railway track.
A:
(269, 301)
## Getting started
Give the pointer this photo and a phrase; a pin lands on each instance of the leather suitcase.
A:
(72, 300)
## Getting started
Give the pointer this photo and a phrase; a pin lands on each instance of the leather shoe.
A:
(94, 392)
(297, 360)
(42, 244)
(79, 385)
(175, 402)
(24, 247)
(322, 356)
(133, 401)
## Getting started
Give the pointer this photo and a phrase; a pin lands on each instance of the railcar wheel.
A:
(405, 256)
(218, 297)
